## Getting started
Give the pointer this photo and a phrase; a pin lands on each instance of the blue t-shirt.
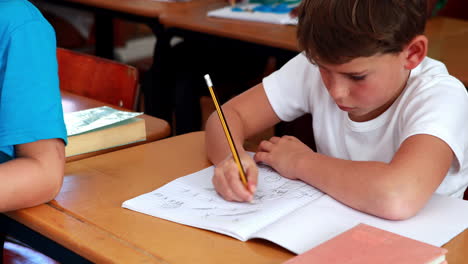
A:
(30, 102)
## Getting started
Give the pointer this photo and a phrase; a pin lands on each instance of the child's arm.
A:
(396, 190)
(246, 115)
(34, 176)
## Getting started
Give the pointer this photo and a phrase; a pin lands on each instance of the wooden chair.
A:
(97, 78)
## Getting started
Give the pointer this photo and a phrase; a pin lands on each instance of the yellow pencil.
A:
(227, 132)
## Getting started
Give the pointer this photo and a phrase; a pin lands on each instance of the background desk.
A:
(147, 12)
(448, 42)
(448, 37)
(95, 188)
(155, 128)
(196, 20)
(140, 11)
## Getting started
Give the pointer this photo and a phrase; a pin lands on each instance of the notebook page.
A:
(192, 200)
(437, 223)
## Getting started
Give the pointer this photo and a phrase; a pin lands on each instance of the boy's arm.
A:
(246, 114)
(395, 190)
(34, 176)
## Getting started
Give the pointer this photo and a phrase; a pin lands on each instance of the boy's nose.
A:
(338, 90)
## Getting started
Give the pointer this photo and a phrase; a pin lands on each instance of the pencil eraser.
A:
(208, 80)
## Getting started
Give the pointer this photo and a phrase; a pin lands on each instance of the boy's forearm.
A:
(217, 146)
(371, 187)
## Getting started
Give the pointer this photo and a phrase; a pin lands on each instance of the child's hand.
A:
(227, 182)
(282, 154)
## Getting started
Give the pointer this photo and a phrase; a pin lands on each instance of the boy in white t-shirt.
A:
(390, 124)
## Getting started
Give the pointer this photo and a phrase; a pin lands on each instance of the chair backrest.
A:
(97, 78)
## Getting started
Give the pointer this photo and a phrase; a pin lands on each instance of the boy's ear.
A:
(415, 52)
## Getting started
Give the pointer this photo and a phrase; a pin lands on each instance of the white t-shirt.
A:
(433, 103)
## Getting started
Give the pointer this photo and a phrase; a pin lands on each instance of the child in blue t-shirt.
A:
(32, 130)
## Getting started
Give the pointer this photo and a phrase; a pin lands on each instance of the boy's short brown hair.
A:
(337, 31)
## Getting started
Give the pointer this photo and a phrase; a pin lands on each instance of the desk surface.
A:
(155, 128)
(89, 195)
(448, 42)
(195, 19)
(144, 8)
(448, 38)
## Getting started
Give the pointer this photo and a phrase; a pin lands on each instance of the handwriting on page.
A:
(203, 202)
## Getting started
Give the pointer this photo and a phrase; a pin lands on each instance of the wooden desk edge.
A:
(84, 238)
(457, 248)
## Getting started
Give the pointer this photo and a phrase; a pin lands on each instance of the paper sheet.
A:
(192, 200)
(437, 223)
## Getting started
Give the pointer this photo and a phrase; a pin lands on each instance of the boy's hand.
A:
(227, 182)
(282, 154)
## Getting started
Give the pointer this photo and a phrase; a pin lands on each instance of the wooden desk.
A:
(195, 19)
(155, 128)
(139, 11)
(89, 241)
(143, 8)
(95, 188)
(448, 37)
(448, 42)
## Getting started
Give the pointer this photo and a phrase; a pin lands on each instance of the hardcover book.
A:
(101, 128)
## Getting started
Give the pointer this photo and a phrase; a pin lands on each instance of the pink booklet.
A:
(364, 244)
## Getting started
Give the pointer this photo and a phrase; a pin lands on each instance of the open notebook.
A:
(289, 213)
(248, 12)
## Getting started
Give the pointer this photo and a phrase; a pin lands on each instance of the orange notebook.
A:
(364, 244)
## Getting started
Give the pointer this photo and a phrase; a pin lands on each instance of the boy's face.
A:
(365, 87)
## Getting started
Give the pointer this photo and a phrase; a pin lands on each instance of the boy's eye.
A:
(357, 77)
